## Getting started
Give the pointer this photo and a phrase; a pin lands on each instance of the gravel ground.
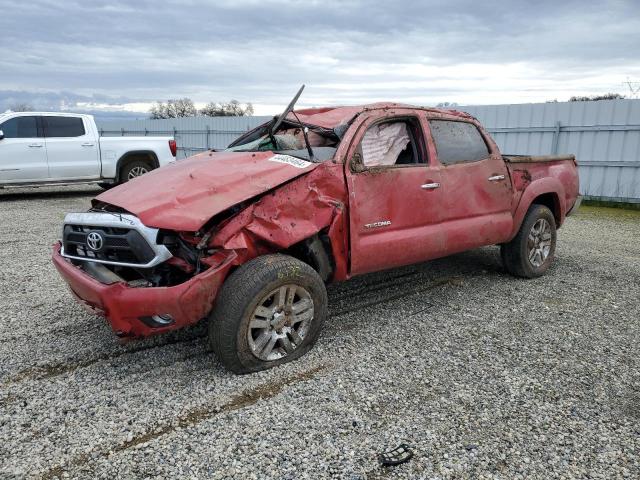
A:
(484, 375)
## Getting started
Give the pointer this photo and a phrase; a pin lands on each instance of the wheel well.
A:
(549, 200)
(315, 251)
(145, 156)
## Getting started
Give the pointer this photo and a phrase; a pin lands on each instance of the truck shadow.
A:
(43, 193)
(405, 280)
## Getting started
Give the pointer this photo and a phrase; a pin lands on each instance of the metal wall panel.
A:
(604, 136)
(192, 134)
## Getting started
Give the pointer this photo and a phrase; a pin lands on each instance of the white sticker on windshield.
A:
(288, 159)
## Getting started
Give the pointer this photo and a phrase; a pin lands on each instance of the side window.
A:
(391, 143)
(20, 127)
(457, 142)
(63, 127)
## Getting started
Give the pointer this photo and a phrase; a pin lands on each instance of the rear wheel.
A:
(134, 169)
(531, 252)
(268, 312)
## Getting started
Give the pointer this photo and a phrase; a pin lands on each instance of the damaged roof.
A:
(330, 117)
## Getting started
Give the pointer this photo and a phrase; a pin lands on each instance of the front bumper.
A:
(124, 306)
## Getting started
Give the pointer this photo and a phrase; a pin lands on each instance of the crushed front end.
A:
(143, 280)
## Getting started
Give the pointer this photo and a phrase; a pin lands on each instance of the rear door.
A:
(394, 194)
(23, 157)
(477, 189)
(72, 149)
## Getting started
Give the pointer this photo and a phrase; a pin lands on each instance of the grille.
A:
(119, 245)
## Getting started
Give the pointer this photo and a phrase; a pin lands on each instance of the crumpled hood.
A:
(184, 195)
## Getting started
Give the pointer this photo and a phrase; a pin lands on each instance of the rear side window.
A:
(20, 127)
(457, 142)
(63, 127)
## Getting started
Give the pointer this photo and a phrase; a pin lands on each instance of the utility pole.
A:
(634, 88)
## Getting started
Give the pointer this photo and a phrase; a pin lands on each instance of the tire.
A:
(526, 257)
(249, 317)
(134, 169)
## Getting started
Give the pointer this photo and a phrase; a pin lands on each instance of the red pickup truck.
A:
(249, 236)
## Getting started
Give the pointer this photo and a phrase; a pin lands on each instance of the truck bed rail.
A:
(538, 158)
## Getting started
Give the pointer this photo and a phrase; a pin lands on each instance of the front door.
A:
(394, 195)
(72, 149)
(477, 189)
(23, 157)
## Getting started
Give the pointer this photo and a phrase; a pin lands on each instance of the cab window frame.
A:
(39, 130)
(419, 145)
(480, 131)
(45, 126)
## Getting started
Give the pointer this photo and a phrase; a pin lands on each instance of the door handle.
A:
(496, 178)
(430, 186)
(87, 144)
(35, 145)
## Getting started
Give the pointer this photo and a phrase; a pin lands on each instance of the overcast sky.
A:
(348, 51)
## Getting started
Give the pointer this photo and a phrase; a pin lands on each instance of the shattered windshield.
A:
(289, 140)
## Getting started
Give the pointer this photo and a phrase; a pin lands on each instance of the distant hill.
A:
(102, 106)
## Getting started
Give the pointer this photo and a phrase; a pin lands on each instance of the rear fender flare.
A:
(535, 189)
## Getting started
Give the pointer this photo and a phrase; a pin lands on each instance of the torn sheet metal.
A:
(295, 212)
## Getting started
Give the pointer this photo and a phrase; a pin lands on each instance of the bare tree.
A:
(21, 107)
(174, 108)
(595, 98)
(232, 109)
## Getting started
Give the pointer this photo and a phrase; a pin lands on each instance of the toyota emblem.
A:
(95, 241)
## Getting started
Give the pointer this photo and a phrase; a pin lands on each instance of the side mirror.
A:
(1, 134)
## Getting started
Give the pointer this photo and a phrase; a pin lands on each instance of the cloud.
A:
(347, 52)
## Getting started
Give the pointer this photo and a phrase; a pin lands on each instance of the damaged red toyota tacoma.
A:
(248, 237)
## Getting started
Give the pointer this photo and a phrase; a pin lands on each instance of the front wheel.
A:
(268, 312)
(531, 252)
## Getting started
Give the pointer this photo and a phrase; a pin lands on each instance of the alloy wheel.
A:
(280, 322)
(136, 172)
(539, 242)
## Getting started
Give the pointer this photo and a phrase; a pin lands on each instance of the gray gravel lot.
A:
(486, 376)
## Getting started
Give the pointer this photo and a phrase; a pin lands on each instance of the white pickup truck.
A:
(62, 148)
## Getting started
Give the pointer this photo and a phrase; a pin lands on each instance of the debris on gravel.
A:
(482, 374)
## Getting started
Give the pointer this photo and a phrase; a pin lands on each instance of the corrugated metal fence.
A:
(604, 136)
(192, 134)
